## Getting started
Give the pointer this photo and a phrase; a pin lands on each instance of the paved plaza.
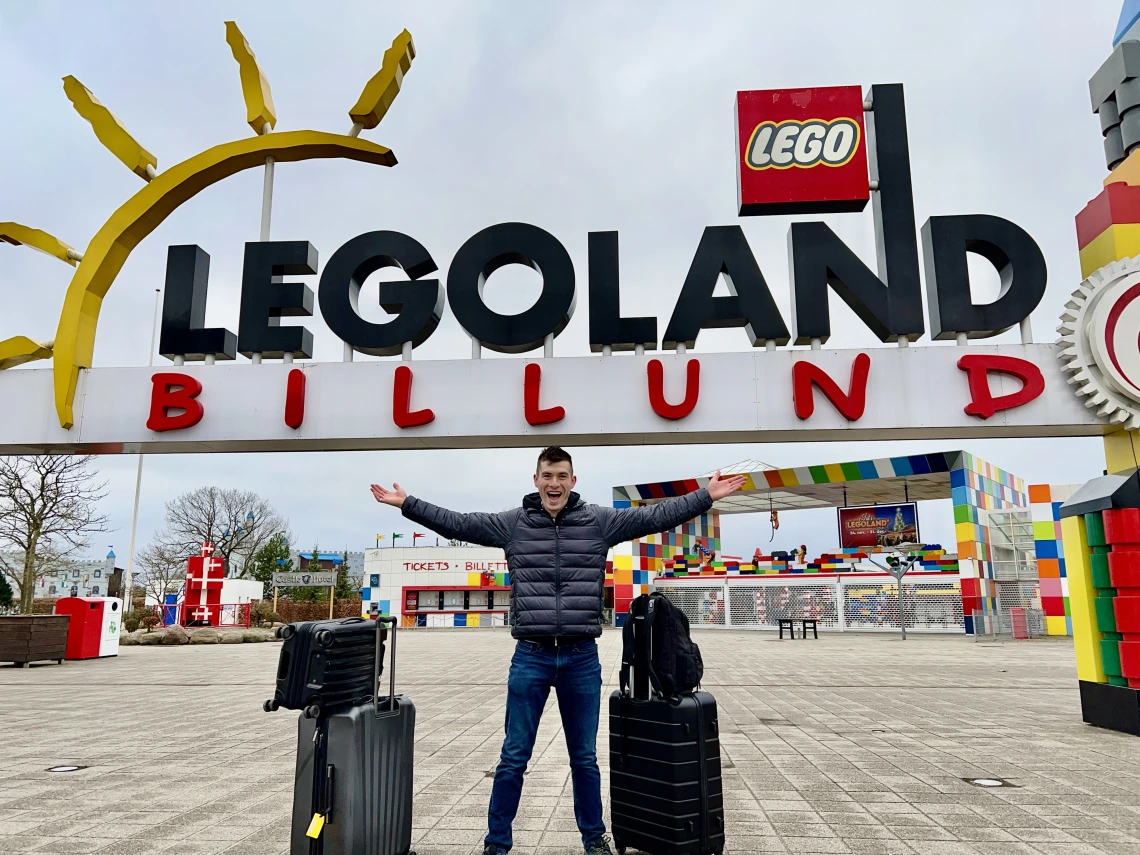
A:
(849, 744)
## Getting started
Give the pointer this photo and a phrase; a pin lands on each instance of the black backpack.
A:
(675, 666)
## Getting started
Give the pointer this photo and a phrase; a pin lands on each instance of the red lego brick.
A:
(1127, 611)
(1052, 606)
(969, 588)
(1121, 526)
(1130, 659)
(1123, 568)
(1118, 203)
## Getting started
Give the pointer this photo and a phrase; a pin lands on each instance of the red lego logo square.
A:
(801, 151)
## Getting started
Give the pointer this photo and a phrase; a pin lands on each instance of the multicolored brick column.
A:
(1101, 529)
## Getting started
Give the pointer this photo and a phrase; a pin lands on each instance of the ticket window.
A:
(502, 599)
(453, 600)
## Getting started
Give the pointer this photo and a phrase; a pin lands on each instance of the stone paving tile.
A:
(849, 744)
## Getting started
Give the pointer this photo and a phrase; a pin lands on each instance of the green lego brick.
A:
(962, 514)
(1094, 527)
(1105, 616)
(851, 472)
(1068, 614)
(1110, 658)
(1098, 563)
(1118, 681)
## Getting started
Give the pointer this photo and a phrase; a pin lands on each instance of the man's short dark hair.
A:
(554, 454)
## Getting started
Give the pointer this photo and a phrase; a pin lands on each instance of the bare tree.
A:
(162, 571)
(237, 522)
(47, 513)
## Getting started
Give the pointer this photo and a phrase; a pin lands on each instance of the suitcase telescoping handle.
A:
(629, 648)
(393, 709)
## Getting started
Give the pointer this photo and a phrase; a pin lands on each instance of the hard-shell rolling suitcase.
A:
(666, 796)
(353, 790)
(327, 664)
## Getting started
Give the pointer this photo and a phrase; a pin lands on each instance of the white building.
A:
(437, 586)
(82, 577)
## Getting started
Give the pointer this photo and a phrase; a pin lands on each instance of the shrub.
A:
(130, 623)
(291, 612)
(150, 620)
(261, 613)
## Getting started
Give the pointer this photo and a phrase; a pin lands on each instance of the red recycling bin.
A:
(93, 630)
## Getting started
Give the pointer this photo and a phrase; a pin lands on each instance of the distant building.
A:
(82, 577)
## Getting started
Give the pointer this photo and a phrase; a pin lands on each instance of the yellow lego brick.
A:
(1086, 637)
(1121, 450)
(1044, 531)
(1056, 626)
(963, 532)
(1126, 172)
(623, 562)
(1114, 243)
(474, 579)
(834, 473)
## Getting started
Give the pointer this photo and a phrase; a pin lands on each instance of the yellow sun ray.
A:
(20, 349)
(146, 210)
(259, 110)
(21, 235)
(382, 89)
(110, 131)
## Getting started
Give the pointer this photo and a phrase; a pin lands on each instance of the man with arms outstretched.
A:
(556, 548)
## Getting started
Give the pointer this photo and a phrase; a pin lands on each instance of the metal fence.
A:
(870, 602)
(1001, 625)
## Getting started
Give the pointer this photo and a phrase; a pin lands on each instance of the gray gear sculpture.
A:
(1076, 353)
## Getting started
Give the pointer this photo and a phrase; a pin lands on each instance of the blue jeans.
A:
(576, 675)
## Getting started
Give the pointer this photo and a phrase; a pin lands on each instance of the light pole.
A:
(129, 575)
(898, 566)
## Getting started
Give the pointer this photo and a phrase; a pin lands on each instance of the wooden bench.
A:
(33, 638)
(790, 623)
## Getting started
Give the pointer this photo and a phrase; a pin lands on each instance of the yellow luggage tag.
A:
(315, 826)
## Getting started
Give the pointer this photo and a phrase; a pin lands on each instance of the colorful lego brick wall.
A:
(1045, 502)
(932, 558)
(1104, 550)
(633, 565)
(979, 486)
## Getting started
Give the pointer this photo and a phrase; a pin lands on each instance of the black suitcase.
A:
(327, 664)
(666, 796)
(353, 789)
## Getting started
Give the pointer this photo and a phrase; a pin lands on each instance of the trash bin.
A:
(93, 630)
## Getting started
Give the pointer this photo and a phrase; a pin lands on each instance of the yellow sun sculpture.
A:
(164, 192)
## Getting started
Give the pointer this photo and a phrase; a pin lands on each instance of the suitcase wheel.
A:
(311, 711)
(271, 705)
(323, 637)
(285, 632)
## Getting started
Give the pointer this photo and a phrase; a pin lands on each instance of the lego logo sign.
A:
(801, 151)
(804, 144)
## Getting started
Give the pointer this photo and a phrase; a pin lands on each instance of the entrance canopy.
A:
(917, 477)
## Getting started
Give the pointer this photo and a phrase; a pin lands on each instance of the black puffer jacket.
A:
(558, 566)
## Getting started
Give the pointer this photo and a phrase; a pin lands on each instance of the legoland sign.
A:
(798, 151)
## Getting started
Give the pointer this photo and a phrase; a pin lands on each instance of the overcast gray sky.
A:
(576, 117)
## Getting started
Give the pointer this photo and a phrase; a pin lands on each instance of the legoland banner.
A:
(804, 151)
(878, 525)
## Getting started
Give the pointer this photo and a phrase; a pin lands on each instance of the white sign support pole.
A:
(129, 574)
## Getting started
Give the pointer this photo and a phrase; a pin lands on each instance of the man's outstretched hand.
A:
(718, 487)
(395, 497)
